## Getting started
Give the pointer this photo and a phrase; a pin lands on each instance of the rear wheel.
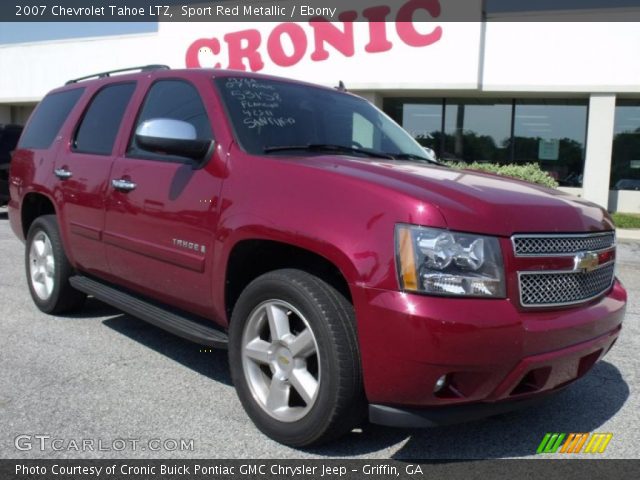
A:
(294, 358)
(48, 269)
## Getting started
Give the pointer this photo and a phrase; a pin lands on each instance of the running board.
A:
(178, 324)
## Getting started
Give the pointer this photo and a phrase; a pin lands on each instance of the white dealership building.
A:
(564, 94)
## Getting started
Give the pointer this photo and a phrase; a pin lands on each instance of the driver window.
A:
(176, 100)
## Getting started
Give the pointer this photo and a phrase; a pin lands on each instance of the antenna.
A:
(341, 86)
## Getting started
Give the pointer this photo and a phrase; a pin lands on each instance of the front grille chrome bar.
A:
(562, 245)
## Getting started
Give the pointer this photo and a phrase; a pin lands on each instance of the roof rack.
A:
(144, 68)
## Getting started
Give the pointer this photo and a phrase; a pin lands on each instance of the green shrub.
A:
(530, 172)
(626, 220)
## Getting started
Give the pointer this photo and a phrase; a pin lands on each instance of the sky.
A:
(34, 32)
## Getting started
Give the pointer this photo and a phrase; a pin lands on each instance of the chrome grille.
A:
(542, 289)
(549, 245)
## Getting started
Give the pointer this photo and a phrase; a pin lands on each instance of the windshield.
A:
(277, 117)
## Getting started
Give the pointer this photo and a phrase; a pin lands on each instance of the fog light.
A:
(440, 384)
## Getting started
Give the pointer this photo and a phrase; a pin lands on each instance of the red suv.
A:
(300, 227)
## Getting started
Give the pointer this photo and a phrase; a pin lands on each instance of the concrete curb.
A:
(628, 234)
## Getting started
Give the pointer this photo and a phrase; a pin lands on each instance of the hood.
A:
(477, 202)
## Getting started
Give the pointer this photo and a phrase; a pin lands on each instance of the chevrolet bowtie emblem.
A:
(586, 261)
(284, 360)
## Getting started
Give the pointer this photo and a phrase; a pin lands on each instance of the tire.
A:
(315, 339)
(48, 269)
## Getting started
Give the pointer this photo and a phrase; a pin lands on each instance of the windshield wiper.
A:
(326, 147)
(412, 156)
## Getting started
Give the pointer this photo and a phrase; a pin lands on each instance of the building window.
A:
(424, 122)
(625, 165)
(549, 132)
(477, 130)
(553, 134)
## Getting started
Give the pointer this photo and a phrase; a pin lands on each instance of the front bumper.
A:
(491, 351)
(447, 415)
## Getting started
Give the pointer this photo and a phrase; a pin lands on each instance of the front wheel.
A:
(294, 358)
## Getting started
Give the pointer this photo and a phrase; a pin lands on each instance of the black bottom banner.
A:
(316, 469)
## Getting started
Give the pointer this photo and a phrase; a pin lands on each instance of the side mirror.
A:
(173, 137)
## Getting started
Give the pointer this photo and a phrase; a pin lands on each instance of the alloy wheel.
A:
(42, 265)
(280, 359)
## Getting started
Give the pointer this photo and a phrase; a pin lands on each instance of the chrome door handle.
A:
(62, 173)
(123, 185)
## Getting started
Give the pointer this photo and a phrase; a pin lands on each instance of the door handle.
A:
(62, 173)
(123, 185)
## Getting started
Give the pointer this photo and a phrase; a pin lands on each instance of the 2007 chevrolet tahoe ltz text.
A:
(349, 276)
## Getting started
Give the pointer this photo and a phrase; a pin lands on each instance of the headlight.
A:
(440, 262)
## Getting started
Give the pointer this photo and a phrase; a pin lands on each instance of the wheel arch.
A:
(251, 257)
(34, 205)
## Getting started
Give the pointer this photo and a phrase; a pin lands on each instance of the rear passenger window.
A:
(48, 119)
(176, 100)
(99, 126)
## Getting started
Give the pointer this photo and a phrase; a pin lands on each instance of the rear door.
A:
(82, 169)
(160, 227)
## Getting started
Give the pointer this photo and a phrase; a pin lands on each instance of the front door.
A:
(161, 212)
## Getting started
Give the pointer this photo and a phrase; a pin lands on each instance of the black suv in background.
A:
(9, 135)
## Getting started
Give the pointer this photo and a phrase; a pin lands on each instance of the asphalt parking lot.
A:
(104, 376)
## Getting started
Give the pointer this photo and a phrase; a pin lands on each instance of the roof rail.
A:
(144, 68)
